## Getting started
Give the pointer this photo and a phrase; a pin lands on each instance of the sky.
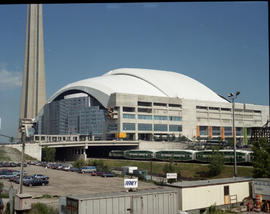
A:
(223, 45)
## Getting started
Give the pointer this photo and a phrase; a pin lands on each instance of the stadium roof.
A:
(141, 81)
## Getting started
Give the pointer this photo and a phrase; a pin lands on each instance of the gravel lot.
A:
(63, 183)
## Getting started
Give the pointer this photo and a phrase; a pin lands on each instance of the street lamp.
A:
(233, 97)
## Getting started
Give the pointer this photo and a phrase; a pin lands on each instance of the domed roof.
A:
(144, 82)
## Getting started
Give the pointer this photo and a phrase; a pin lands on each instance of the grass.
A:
(3, 156)
(26, 157)
(188, 170)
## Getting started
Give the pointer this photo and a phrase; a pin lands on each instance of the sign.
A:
(131, 183)
(171, 175)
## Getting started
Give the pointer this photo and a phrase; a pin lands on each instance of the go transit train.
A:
(242, 156)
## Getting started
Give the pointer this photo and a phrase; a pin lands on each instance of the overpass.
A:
(72, 146)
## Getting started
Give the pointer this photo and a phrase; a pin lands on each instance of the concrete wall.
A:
(204, 196)
(32, 149)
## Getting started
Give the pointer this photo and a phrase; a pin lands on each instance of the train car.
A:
(242, 156)
(176, 155)
(116, 154)
(203, 155)
(137, 154)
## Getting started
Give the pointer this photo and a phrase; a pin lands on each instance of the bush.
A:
(49, 154)
(216, 164)
(40, 208)
(99, 165)
(79, 163)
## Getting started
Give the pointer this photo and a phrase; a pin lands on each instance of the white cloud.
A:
(9, 79)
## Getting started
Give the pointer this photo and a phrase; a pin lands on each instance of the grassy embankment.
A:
(188, 170)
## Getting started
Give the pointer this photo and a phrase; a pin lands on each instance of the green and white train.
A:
(242, 156)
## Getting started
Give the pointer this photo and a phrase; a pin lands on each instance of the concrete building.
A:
(33, 95)
(154, 105)
(196, 196)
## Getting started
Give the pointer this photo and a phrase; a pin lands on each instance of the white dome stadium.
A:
(143, 82)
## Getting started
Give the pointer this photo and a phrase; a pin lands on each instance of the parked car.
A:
(88, 169)
(40, 176)
(99, 173)
(66, 168)
(35, 182)
(74, 169)
(107, 174)
(25, 178)
(9, 174)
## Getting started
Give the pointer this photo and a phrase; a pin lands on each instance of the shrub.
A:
(40, 208)
(79, 163)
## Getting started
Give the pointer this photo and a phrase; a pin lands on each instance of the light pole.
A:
(233, 97)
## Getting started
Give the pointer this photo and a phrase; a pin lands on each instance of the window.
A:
(160, 127)
(128, 109)
(175, 118)
(239, 131)
(175, 105)
(144, 127)
(214, 108)
(258, 111)
(130, 116)
(160, 104)
(201, 107)
(144, 117)
(226, 190)
(203, 130)
(227, 131)
(129, 126)
(158, 117)
(175, 128)
(144, 103)
(146, 110)
(216, 130)
(225, 109)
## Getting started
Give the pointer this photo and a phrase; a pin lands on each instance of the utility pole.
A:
(25, 125)
(233, 97)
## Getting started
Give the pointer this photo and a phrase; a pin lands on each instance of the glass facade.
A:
(144, 117)
(160, 127)
(80, 115)
(129, 126)
(175, 118)
(228, 131)
(129, 116)
(175, 128)
(157, 117)
(216, 130)
(203, 130)
(144, 127)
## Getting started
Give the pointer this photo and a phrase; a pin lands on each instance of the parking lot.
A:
(63, 183)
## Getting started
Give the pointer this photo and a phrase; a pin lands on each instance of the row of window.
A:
(140, 103)
(227, 109)
(149, 117)
(204, 130)
(149, 127)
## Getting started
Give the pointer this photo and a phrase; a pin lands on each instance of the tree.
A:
(261, 161)
(49, 154)
(216, 163)
(79, 163)
(171, 167)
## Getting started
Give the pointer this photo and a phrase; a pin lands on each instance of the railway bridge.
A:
(71, 147)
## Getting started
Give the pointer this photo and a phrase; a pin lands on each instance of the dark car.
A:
(35, 182)
(74, 169)
(107, 174)
(40, 176)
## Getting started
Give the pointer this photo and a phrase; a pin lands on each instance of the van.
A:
(88, 169)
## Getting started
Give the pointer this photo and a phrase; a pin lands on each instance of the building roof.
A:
(143, 82)
(187, 184)
(139, 192)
